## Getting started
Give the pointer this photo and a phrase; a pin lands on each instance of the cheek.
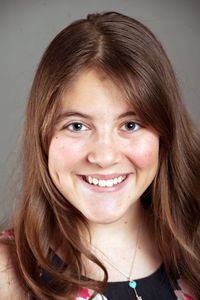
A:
(148, 158)
(63, 155)
(145, 153)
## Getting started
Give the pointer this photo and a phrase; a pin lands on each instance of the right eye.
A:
(131, 126)
(76, 127)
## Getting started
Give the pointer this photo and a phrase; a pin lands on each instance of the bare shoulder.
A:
(10, 287)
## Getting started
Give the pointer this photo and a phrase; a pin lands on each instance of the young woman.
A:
(109, 205)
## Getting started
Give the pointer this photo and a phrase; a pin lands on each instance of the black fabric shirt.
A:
(154, 287)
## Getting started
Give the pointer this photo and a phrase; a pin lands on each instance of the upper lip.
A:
(106, 176)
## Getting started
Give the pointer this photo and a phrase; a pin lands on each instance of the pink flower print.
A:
(83, 294)
(185, 293)
(8, 233)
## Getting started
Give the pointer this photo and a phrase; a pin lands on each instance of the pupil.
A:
(77, 126)
(130, 125)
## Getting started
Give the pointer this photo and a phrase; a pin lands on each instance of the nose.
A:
(104, 153)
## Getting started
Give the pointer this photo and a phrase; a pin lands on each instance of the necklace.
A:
(132, 283)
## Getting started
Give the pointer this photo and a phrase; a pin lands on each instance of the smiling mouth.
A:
(103, 182)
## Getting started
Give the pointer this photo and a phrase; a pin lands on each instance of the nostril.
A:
(104, 158)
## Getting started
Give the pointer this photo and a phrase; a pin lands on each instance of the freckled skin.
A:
(102, 147)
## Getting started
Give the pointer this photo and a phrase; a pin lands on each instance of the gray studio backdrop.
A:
(26, 28)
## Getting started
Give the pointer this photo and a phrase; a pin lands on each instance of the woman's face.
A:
(101, 157)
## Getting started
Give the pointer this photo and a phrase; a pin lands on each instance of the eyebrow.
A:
(86, 116)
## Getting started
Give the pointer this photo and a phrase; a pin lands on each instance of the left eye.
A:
(131, 126)
(76, 126)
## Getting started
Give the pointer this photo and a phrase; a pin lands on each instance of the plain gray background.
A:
(27, 27)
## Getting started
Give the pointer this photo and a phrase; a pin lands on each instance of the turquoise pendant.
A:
(133, 285)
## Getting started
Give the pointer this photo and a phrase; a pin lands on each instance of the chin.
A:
(103, 219)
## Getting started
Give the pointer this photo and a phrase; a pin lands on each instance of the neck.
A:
(125, 229)
(117, 242)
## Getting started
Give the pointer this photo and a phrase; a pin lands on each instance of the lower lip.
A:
(100, 189)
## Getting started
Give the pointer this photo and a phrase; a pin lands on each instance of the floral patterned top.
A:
(147, 292)
(155, 286)
(182, 294)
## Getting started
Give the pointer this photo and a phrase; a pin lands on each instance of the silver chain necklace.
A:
(132, 283)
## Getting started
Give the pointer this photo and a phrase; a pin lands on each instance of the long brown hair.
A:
(129, 53)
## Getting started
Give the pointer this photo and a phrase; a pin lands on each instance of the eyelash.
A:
(137, 125)
(73, 124)
(134, 128)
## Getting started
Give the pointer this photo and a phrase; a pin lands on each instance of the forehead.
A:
(94, 91)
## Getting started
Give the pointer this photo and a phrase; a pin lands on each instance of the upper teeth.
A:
(105, 183)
